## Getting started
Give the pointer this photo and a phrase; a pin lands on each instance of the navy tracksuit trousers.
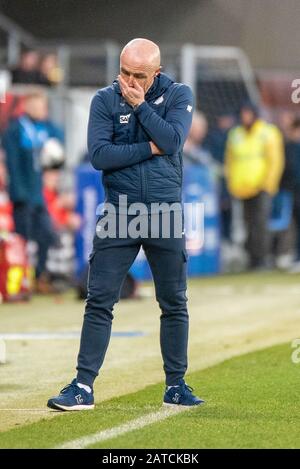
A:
(110, 260)
(34, 223)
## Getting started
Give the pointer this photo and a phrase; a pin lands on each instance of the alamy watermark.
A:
(4, 84)
(295, 96)
(157, 220)
(295, 357)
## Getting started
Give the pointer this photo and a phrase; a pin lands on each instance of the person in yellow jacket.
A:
(254, 163)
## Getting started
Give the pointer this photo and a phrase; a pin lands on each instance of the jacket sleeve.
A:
(104, 154)
(228, 155)
(11, 147)
(169, 134)
(275, 158)
(56, 132)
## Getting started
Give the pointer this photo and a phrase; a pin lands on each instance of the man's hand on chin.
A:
(134, 95)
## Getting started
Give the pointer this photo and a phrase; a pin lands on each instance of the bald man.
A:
(136, 132)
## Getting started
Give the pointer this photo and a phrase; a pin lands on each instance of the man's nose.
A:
(130, 80)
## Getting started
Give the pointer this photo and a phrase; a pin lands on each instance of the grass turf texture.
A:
(230, 316)
(252, 402)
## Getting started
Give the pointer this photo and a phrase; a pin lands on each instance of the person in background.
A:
(27, 72)
(291, 181)
(6, 208)
(216, 138)
(215, 142)
(50, 72)
(60, 204)
(23, 142)
(285, 121)
(193, 151)
(61, 207)
(254, 164)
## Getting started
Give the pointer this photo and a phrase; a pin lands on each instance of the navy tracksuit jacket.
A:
(118, 143)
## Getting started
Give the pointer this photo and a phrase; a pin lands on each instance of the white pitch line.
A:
(24, 410)
(62, 335)
(136, 424)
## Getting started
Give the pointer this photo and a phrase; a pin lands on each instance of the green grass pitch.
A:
(240, 349)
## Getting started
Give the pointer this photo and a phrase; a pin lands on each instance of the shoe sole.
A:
(166, 404)
(72, 408)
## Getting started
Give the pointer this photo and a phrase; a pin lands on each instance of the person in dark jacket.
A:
(291, 181)
(136, 132)
(27, 72)
(215, 143)
(23, 142)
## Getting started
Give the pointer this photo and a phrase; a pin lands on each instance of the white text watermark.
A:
(156, 220)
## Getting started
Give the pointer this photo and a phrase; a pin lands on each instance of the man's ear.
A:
(158, 71)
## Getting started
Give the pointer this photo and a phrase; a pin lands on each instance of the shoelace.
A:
(187, 389)
(66, 388)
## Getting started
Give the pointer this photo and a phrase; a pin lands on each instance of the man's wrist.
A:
(136, 106)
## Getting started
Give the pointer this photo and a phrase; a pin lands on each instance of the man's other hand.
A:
(155, 150)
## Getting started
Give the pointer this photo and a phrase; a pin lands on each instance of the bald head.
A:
(140, 60)
(143, 52)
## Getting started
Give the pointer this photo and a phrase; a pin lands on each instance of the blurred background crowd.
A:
(245, 138)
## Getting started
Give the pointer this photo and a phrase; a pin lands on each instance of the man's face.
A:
(37, 108)
(295, 134)
(198, 130)
(144, 74)
(247, 117)
(51, 178)
(30, 60)
(225, 122)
